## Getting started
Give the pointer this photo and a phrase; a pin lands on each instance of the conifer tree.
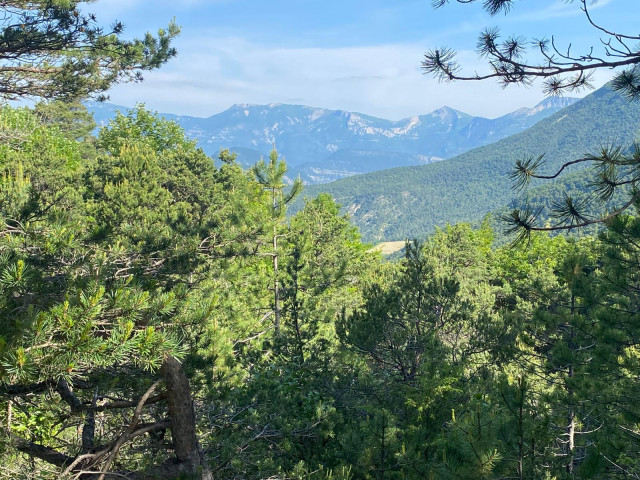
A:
(561, 69)
(51, 49)
(103, 262)
(272, 178)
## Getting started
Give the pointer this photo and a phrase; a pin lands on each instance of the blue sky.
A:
(353, 55)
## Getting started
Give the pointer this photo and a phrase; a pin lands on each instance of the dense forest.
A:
(136, 278)
(163, 316)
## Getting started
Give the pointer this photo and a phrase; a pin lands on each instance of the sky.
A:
(356, 55)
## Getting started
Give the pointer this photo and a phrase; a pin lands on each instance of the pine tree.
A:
(272, 178)
(52, 50)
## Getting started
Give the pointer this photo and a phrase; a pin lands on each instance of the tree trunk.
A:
(190, 460)
(183, 423)
(276, 285)
(571, 418)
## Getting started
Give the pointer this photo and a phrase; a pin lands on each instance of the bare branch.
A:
(561, 69)
(128, 434)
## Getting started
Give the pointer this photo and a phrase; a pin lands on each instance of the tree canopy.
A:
(161, 317)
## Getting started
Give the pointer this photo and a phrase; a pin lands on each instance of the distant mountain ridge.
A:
(324, 145)
(411, 201)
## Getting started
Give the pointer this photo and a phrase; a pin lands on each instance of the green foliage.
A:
(141, 126)
(324, 259)
(460, 360)
(271, 177)
(53, 50)
(410, 202)
(71, 118)
(322, 262)
(73, 307)
(100, 264)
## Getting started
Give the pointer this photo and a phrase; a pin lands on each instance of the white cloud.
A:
(211, 74)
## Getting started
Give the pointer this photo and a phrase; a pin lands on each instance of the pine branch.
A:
(561, 69)
(42, 452)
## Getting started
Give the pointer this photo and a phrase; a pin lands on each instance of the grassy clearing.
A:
(388, 248)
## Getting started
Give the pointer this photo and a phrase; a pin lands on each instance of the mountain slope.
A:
(347, 162)
(411, 201)
(322, 145)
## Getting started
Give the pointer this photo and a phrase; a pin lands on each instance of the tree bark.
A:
(42, 452)
(276, 285)
(571, 417)
(183, 423)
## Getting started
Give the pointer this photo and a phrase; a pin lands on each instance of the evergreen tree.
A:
(615, 166)
(272, 178)
(101, 293)
(53, 50)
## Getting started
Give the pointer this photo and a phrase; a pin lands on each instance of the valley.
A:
(402, 179)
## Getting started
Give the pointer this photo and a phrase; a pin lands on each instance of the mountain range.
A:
(411, 201)
(323, 145)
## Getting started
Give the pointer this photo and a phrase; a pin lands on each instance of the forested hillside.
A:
(407, 202)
